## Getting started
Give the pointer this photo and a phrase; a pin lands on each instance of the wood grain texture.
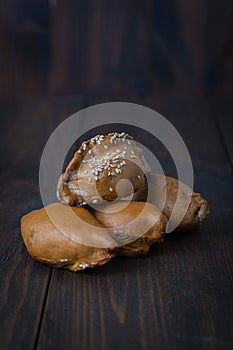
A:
(178, 297)
(25, 127)
(223, 112)
(116, 48)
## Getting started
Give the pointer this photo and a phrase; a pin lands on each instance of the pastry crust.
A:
(59, 246)
(97, 167)
(163, 194)
(140, 221)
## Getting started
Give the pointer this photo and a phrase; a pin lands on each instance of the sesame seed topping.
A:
(139, 177)
(95, 201)
(84, 203)
(90, 180)
(110, 189)
(113, 160)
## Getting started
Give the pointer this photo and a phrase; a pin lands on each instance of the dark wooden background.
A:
(57, 57)
(116, 48)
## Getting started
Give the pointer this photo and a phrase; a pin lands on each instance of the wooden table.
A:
(178, 297)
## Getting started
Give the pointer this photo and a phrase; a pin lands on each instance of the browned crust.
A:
(198, 209)
(122, 220)
(70, 185)
(47, 244)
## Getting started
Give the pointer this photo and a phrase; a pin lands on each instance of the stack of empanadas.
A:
(107, 208)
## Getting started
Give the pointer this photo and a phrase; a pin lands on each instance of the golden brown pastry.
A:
(104, 169)
(141, 222)
(98, 166)
(59, 240)
(163, 194)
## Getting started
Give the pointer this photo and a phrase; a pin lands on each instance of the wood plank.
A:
(223, 111)
(26, 125)
(176, 298)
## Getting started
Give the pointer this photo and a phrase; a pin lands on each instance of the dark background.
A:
(116, 48)
(175, 57)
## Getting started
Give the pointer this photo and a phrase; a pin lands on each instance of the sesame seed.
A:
(90, 180)
(109, 173)
(139, 177)
(128, 142)
(110, 189)
(96, 178)
(112, 173)
(84, 203)
(79, 151)
(84, 146)
(95, 201)
(118, 151)
(84, 160)
(89, 151)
